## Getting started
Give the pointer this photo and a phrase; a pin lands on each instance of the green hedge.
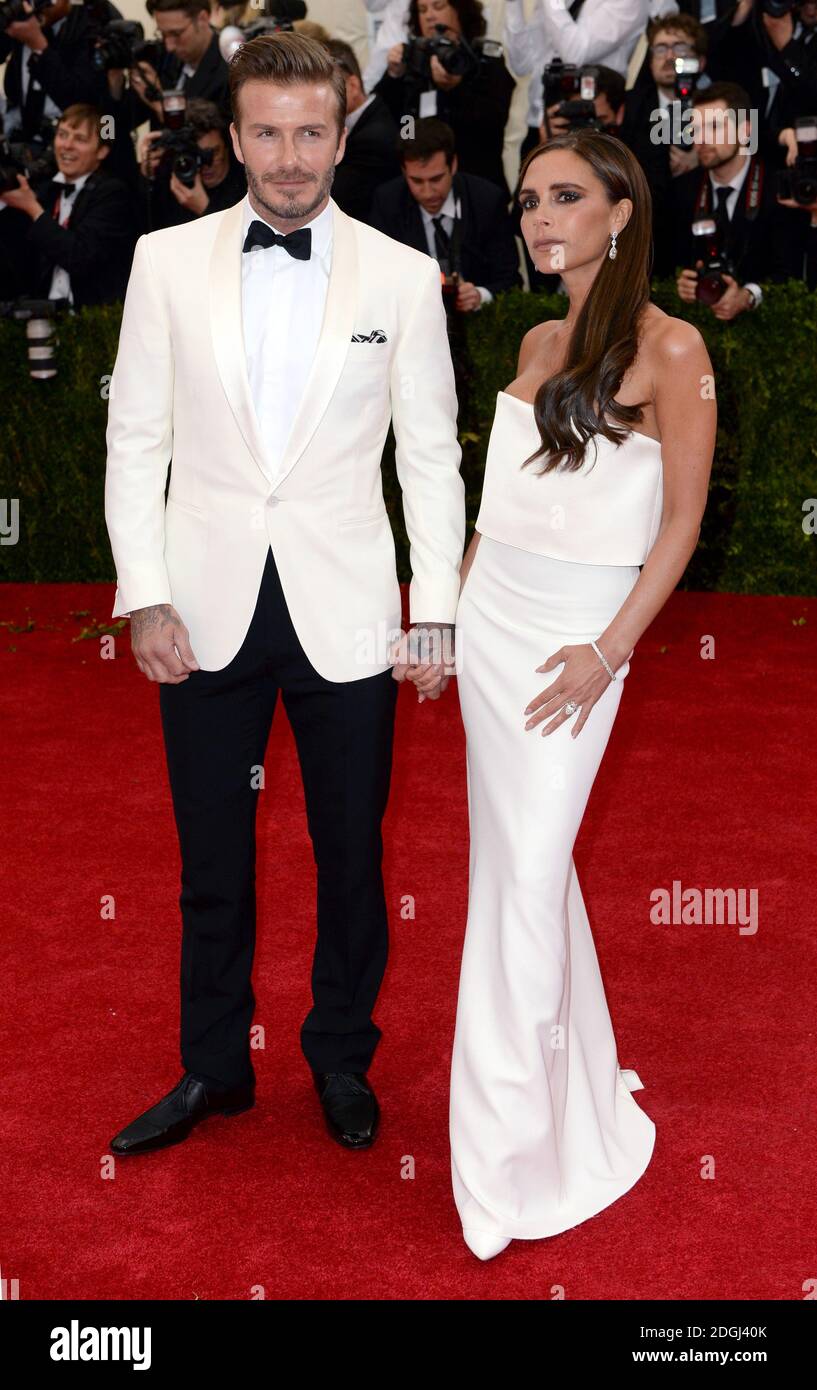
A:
(52, 439)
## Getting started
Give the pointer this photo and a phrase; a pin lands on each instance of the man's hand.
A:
(734, 300)
(140, 77)
(193, 199)
(687, 282)
(468, 296)
(431, 672)
(681, 161)
(554, 125)
(24, 198)
(28, 31)
(161, 644)
(149, 155)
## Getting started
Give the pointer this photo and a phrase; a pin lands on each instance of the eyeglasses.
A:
(681, 50)
(171, 33)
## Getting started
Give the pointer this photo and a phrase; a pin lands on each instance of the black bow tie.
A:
(298, 244)
(66, 188)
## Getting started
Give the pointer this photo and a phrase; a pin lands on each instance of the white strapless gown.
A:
(544, 1128)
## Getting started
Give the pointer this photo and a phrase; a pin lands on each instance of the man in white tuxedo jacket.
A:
(263, 352)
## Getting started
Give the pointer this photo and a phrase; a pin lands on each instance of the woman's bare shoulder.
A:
(667, 338)
(533, 342)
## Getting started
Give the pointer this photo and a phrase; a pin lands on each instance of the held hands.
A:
(582, 679)
(430, 677)
(161, 644)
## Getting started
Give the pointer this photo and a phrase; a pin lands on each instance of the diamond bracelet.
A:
(605, 663)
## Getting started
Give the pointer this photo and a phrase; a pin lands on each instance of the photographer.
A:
(201, 175)
(459, 219)
(443, 71)
(743, 234)
(655, 106)
(189, 61)
(774, 57)
(369, 158)
(586, 31)
(49, 64)
(80, 239)
(800, 179)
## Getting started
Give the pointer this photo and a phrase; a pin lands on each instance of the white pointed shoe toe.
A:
(483, 1244)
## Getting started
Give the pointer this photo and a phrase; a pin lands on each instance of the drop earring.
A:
(613, 252)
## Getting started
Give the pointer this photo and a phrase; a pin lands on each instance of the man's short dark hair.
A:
(205, 116)
(286, 58)
(344, 55)
(735, 97)
(431, 135)
(685, 24)
(189, 7)
(612, 85)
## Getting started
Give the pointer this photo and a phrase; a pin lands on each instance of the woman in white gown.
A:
(544, 1129)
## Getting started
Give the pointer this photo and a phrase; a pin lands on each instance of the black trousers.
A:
(216, 726)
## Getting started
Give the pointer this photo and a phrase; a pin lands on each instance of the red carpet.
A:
(706, 780)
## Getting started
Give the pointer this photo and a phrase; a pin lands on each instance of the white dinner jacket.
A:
(180, 391)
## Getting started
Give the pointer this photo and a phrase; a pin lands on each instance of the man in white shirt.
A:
(268, 347)
(588, 31)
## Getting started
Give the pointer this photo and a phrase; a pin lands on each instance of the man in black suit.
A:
(217, 185)
(191, 63)
(49, 66)
(79, 244)
(370, 157)
(651, 108)
(736, 189)
(460, 219)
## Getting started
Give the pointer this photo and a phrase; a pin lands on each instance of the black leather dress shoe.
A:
(349, 1106)
(171, 1119)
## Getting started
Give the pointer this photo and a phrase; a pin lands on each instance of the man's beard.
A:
(290, 205)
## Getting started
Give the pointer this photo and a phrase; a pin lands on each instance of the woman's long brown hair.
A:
(604, 342)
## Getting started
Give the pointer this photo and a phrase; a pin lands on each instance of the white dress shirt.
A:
(736, 186)
(60, 287)
(448, 212)
(606, 31)
(282, 302)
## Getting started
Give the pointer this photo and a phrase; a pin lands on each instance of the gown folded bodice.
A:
(608, 512)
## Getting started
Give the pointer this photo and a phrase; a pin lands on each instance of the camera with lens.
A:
(455, 55)
(39, 317)
(181, 154)
(574, 88)
(13, 10)
(121, 43)
(687, 72)
(34, 158)
(799, 181)
(716, 263)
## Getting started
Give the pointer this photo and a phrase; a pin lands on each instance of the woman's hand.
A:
(394, 61)
(440, 77)
(583, 679)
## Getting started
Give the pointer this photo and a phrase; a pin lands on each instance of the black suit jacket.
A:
(477, 111)
(96, 248)
(639, 104)
(64, 71)
(762, 249)
(370, 160)
(209, 82)
(489, 254)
